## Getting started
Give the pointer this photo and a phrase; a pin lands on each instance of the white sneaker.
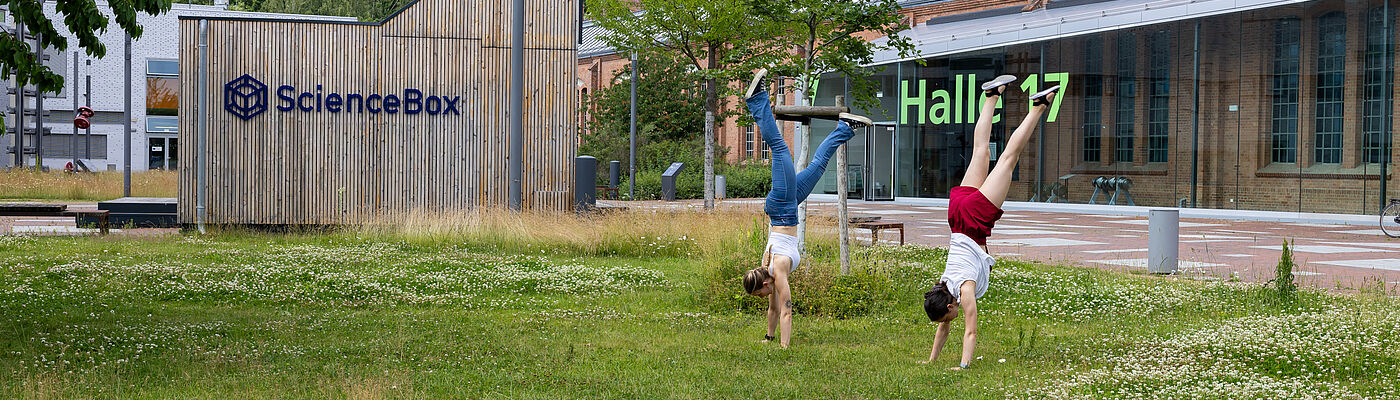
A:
(1041, 97)
(999, 81)
(854, 120)
(760, 79)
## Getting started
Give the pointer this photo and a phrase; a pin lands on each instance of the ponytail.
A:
(936, 301)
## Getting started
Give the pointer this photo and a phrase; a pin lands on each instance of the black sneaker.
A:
(1042, 97)
(997, 86)
(854, 120)
(760, 80)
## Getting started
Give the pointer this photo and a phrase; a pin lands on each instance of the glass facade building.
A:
(1280, 108)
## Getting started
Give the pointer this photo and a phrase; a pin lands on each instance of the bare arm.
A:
(783, 293)
(969, 308)
(939, 339)
(773, 307)
(773, 304)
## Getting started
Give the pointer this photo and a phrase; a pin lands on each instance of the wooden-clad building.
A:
(313, 122)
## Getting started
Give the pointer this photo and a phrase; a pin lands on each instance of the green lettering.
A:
(938, 113)
(972, 105)
(917, 100)
(957, 93)
(1062, 79)
(996, 116)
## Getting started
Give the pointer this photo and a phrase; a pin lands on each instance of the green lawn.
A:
(249, 315)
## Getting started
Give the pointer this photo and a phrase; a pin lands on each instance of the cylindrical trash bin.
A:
(585, 183)
(719, 186)
(1163, 230)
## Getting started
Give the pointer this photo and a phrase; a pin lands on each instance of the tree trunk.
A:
(711, 107)
(841, 212)
(799, 160)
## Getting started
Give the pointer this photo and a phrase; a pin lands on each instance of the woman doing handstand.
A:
(790, 188)
(973, 208)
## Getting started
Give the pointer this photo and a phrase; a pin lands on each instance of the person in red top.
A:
(973, 208)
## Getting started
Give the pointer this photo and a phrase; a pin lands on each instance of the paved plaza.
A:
(1332, 251)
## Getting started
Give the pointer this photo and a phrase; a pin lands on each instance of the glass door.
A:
(879, 161)
(857, 155)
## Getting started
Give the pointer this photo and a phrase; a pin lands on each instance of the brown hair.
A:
(936, 301)
(753, 280)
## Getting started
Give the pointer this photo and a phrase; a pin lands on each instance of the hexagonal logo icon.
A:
(245, 97)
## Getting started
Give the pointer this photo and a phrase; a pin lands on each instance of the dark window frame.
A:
(1330, 88)
(1125, 106)
(1283, 145)
(1092, 129)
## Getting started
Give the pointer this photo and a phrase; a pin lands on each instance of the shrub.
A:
(1283, 281)
(741, 181)
(880, 278)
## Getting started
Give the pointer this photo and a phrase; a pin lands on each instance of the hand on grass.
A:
(955, 369)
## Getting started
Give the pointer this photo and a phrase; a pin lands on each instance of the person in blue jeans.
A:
(790, 188)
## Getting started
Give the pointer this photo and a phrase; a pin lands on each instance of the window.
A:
(1123, 121)
(162, 87)
(764, 151)
(1159, 97)
(162, 124)
(1284, 140)
(1375, 107)
(1093, 98)
(748, 142)
(1331, 76)
(163, 67)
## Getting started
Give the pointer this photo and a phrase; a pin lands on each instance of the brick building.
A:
(1241, 104)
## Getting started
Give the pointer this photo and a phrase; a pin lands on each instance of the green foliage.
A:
(1283, 280)
(670, 108)
(747, 180)
(823, 32)
(244, 314)
(365, 10)
(81, 17)
(881, 277)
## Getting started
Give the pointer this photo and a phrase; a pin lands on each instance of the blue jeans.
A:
(790, 187)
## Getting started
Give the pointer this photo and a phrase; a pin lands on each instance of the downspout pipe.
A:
(201, 179)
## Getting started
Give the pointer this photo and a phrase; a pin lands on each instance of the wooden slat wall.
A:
(327, 168)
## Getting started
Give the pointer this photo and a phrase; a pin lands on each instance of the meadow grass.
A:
(490, 305)
(21, 184)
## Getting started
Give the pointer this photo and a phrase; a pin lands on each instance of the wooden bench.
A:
(875, 226)
(56, 210)
(604, 192)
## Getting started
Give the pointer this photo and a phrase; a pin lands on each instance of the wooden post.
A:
(841, 217)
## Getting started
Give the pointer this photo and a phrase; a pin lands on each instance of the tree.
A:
(670, 107)
(365, 10)
(714, 36)
(811, 38)
(83, 19)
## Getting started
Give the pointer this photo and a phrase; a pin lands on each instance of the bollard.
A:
(719, 186)
(668, 181)
(614, 173)
(1163, 241)
(585, 183)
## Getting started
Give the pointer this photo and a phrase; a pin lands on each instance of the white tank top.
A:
(784, 245)
(966, 262)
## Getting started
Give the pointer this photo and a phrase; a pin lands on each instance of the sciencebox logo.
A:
(247, 97)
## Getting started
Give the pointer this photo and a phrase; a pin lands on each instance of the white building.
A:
(154, 92)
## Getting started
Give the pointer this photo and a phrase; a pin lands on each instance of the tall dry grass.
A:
(635, 233)
(98, 186)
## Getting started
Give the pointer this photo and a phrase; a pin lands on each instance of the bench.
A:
(875, 226)
(56, 210)
(604, 192)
